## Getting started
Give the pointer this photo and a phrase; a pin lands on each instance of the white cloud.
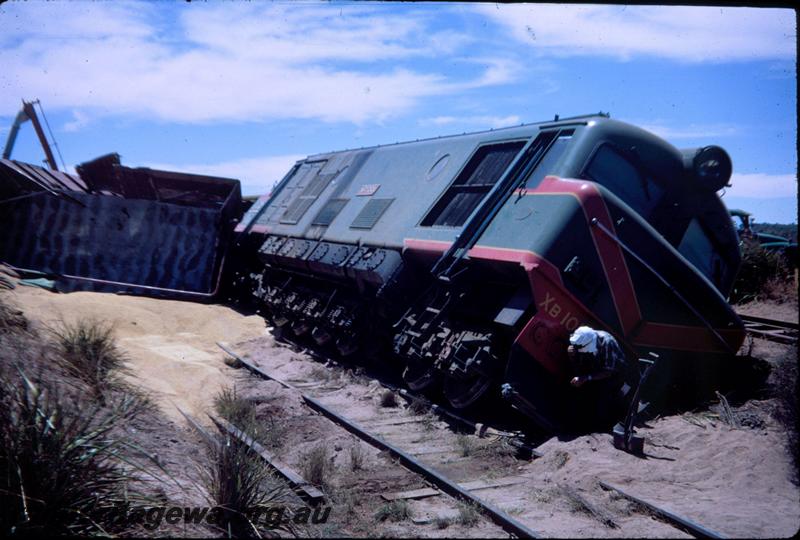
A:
(686, 33)
(292, 34)
(479, 121)
(78, 122)
(237, 62)
(763, 186)
(257, 175)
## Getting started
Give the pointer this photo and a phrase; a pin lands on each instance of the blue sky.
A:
(245, 89)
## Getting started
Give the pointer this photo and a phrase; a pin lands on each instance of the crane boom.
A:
(29, 113)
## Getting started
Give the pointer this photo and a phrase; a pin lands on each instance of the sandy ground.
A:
(786, 311)
(170, 345)
(740, 482)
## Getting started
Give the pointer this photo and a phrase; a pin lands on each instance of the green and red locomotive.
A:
(471, 258)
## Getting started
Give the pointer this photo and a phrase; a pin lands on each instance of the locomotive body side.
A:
(475, 256)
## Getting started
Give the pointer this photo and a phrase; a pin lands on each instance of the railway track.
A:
(446, 471)
(771, 329)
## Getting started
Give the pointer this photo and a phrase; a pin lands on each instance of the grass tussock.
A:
(388, 399)
(467, 445)
(357, 456)
(418, 407)
(397, 510)
(11, 319)
(441, 522)
(317, 466)
(269, 432)
(63, 471)
(468, 514)
(90, 354)
(498, 448)
(239, 483)
(233, 408)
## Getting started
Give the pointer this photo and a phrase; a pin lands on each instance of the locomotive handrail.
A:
(672, 289)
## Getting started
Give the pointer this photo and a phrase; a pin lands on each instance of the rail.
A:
(499, 517)
(481, 429)
(771, 329)
(698, 531)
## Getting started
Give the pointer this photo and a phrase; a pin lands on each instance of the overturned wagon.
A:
(470, 259)
(118, 229)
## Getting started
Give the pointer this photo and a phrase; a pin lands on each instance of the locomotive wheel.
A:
(299, 328)
(463, 392)
(280, 325)
(279, 332)
(346, 346)
(320, 336)
(421, 378)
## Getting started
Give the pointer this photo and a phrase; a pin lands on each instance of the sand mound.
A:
(171, 345)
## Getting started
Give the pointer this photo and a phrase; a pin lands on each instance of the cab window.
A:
(548, 163)
(616, 173)
(699, 250)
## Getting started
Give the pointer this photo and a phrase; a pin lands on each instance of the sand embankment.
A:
(170, 345)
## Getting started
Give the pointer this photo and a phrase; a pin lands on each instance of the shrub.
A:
(759, 268)
(62, 471)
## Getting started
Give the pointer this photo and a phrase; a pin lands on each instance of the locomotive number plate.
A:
(551, 307)
(367, 189)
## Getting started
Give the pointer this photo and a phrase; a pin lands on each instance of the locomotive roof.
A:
(555, 122)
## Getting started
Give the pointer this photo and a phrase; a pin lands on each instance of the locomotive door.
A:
(302, 190)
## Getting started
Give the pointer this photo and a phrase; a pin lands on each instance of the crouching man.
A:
(600, 371)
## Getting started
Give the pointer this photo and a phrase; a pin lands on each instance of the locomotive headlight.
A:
(712, 168)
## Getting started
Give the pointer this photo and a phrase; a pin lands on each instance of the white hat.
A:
(584, 339)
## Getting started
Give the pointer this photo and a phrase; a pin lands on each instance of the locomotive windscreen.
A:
(614, 171)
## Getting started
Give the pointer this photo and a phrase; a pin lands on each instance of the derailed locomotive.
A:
(471, 258)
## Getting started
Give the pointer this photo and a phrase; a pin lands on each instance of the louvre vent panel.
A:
(329, 212)
(296, 210)
(371, 213)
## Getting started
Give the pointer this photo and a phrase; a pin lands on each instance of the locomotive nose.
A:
(710, 166)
